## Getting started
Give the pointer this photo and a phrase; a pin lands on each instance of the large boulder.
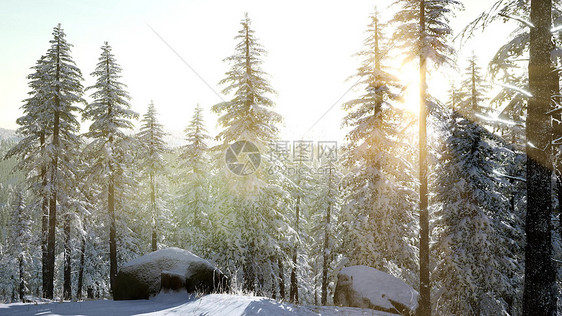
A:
(167, 269)
(366, 287)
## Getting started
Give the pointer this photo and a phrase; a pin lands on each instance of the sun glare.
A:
(409, 75)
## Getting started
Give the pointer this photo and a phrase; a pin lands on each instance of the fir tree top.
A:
(248, 115)
(195, 152)
(432, 44)
(110, 111)
(151, 138)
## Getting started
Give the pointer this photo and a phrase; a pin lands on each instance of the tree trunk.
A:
(424, 308)
(81, 270)
(473, 98)
(67, 284)
(154, 215)
(273, 285)
(294, 288)
(50, 270)
(21, 279)
(326, 250)
(44, 223)
(281, 278)
(112, 232)
(539, 294)
(249, 272)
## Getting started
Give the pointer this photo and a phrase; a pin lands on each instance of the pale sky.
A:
(310, 44)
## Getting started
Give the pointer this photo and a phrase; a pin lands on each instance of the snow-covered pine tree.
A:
(332, 179)
(51, 139)
(543, 82)
(422, 31)
(454, 97)
(90, 225)
(472, 92)
(300, 182)
(466, 237)
(248, 116)
(474, 259)
(110, 147)
(65, 91)
(326, 210)
(151, 138)
(508, 174)
(192, 215)
(506, 67)
(21, 240)
(377, 206)
(34, 129)
(294, 249)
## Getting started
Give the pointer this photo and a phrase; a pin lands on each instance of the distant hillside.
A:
(173, 139)
(8, 134)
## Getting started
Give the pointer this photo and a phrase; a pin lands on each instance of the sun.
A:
(409, 75)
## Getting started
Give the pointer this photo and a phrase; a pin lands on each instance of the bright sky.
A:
(310, 44)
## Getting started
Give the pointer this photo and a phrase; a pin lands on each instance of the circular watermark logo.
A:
(242, 158)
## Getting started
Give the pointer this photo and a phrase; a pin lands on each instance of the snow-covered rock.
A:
(169, 268)
(366, 287)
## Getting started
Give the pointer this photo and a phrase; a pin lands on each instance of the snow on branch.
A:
(518, 19)
(496, 119)
(509, 177)
(559, 108)
(556, 29)
(517, 89)
(557, 141)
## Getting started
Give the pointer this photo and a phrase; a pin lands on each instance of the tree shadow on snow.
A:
(96, 308)
(268, 307)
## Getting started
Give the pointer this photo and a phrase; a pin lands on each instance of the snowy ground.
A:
(178, 304)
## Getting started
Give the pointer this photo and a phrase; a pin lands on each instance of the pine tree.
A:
(376, 199)
(543, 82)
(248, 117)
(328, 206)
(301, 183)
(472, 262)
(52, 141)
(151, 138)
(31, 153)
(66, 90)
(472, 92)
(425, 23)
(110, 114)
(196, 189)
(299, 187)
(21, 239)
(454, 97)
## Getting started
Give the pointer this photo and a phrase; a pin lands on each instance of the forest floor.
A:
(178, 304)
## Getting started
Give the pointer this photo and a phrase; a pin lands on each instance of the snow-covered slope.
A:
(8, 134)
(179, 304)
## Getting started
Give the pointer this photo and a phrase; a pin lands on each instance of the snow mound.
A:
(169, 259)
(366, 287)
